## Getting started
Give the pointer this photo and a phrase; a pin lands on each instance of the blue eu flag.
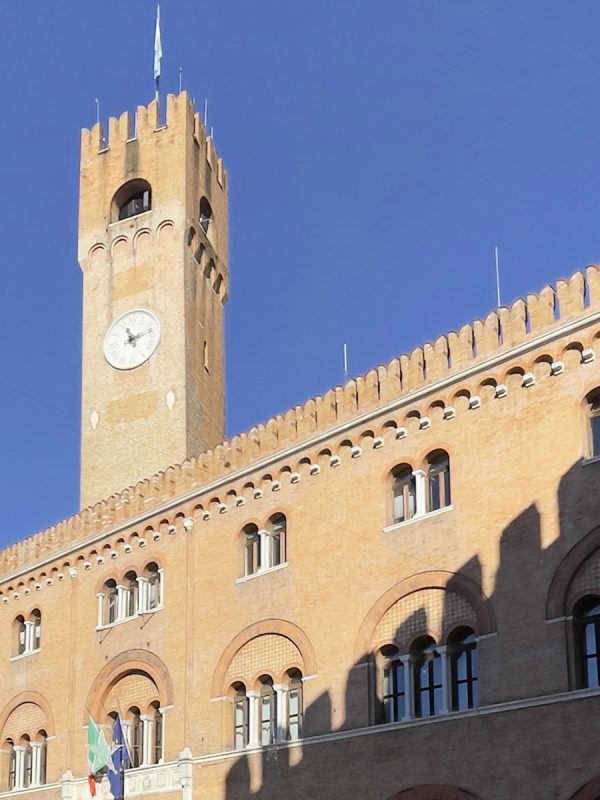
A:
(120, 759)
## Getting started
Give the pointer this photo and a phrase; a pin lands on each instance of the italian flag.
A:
(99, 754)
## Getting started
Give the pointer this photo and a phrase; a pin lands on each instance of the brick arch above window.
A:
(453, 582)
(432, 611)
(130, 662)
(578, 563)
(27, 710)
(278, 628)
(434, 792)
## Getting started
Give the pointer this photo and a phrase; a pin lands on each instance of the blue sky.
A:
(377, 152)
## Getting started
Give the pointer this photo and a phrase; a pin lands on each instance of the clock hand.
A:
(142, 333)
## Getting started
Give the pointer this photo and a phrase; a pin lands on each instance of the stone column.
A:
(281, 711)
(420, 492)
(161, 588)
(253, 718)
(100, 596)
(265, 555)
(29, 637)
(184, 766)
(36, 763)
(142, 594)
(409, 694)
(445, 668)
(67, 789)
(147, 727)
(19, 766)
(121, 602)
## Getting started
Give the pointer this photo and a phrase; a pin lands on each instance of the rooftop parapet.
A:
(572, 299)
(145, 123)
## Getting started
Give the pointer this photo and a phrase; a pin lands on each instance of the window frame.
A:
(438, 479)
(582, 629)
(392, 672)
(241, 703)
(463, 643)
(404, 486)
(593, 422)
(427, 661)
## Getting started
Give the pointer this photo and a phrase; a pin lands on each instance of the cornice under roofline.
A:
(407, 399)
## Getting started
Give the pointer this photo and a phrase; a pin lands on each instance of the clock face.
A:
(131, 339)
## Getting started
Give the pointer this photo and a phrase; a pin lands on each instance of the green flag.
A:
(99, 751)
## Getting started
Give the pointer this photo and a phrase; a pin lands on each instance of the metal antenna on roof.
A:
(205, 112)
(345, 361)
(180, 78)
(97, 111)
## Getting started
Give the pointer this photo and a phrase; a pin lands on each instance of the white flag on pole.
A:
(157, 47)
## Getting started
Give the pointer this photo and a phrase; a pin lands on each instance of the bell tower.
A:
(153, 248)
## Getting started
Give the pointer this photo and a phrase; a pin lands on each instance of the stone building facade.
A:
(391, 592)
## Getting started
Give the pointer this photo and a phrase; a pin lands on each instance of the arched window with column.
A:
(268, 710)
(41, 760)
(133, 198)
(131, 594)
(462, 646)
(428, 678)
(36, 633)
(136, 740)
(111, 596)
(277, 528)
(154, 578)
(295, 705)
(438, 479)
(240, 716)
(392, 684)
(586, 620)
(27, 761)
(252, 549)
(157, 750)
(19, 634)
(11, 778)
(593, 424)
(403, 493)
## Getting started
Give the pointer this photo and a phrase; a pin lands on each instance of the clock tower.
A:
(153, 248)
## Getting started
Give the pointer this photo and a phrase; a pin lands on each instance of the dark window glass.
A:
(267, 713)
(21, 636)
(404, 491)
(393, 697)
(43, 761)
(111, 602)
(463, 659)
(595, 426)
(439, 482)
(295, 704)
(428, 681)
(136, 739)
(587, 620)
(135, 205)
(240, 718)
(252, 554)
(132, 594)
(153, 586)
(278, 531)
(28, 761)
(158, 736)
(12, 766)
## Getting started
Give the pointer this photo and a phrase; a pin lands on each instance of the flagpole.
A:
(157, 55)
(498, 277)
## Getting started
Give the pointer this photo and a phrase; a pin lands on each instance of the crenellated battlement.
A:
(181, 119)
(501, 336)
